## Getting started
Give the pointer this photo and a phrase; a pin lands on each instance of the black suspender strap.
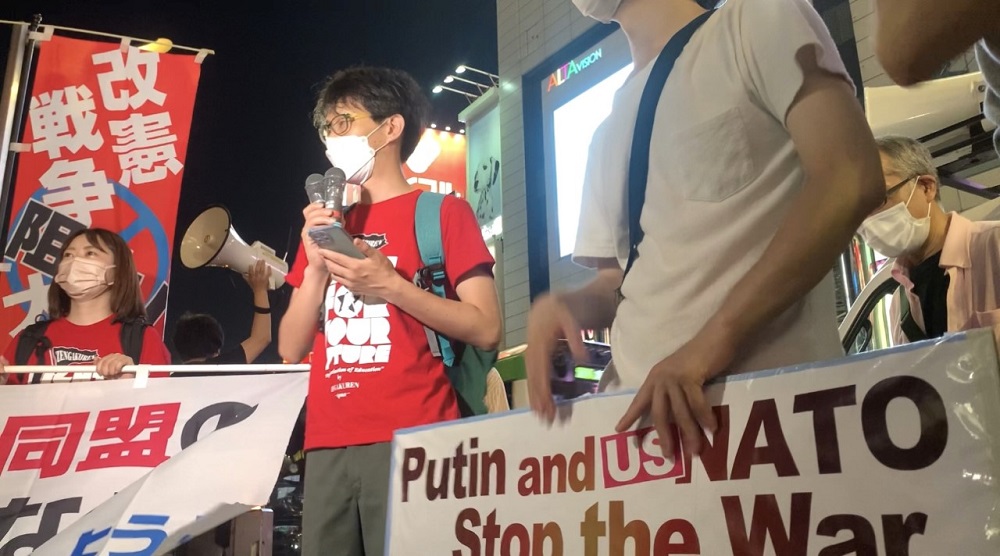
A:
(638, 169)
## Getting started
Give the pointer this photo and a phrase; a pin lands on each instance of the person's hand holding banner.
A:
(675, 387)
(892, 452)
(110, 366)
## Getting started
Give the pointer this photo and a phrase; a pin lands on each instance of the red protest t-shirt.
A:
(372, 368)
(73, 344)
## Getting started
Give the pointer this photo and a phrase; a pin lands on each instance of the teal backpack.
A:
(467, 366)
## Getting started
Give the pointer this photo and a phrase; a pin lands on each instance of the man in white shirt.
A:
(761, 168)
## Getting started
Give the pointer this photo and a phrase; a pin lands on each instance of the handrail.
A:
(221, 369)
(142, 371)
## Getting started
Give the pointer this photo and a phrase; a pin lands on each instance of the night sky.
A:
(252, 143)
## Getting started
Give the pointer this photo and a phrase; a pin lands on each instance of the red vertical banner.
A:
(104, 146)
(438, 163)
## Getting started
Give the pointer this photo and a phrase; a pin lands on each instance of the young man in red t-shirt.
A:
(372, 368)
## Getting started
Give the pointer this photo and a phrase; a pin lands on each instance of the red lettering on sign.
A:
(138, 437)
(44, 442)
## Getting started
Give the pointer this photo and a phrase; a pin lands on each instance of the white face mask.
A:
(83, 280)
(353, 155)
(601, 10)
(894, 232)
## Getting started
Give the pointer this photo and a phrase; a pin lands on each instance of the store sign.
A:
(573, 67)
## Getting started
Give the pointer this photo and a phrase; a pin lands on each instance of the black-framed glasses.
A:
(340, 124)
(892, 190)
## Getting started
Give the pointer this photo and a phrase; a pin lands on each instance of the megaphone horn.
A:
(211, 240)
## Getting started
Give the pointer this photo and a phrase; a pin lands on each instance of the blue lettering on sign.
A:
(88, 538)
(155, 535)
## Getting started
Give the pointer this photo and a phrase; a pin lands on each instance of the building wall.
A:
(528, 32)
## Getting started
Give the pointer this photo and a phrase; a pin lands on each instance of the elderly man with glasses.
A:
(947, 266)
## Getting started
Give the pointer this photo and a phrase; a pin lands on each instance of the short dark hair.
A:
(198, 336)
(383, 92)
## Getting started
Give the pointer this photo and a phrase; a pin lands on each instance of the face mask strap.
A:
(916, 185)
(912, 191)
(379, 126)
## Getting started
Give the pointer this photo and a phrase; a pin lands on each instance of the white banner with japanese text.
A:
(891, 453)
(104, 146)
(111, 467)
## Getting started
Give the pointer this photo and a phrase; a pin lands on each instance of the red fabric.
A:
(386, 377)
(108, 132)
(80, 345)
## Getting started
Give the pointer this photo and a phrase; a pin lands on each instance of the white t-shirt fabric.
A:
(722, 174)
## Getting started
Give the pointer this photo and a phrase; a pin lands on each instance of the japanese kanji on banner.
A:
(890, 453)
(88, 468)
(104, 146)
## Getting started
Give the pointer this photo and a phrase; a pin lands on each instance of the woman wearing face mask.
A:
(946, 265)
(95, 289)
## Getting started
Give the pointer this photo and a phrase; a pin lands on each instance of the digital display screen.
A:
(573, 126)
(576, 98)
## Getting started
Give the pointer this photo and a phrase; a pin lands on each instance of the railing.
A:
(142, 371)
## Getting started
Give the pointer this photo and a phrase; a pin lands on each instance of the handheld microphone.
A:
(334, 182)
(328, 189)
(315, 189)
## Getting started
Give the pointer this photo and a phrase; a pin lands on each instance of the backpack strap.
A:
(431, 276)
(428, 228)
(638, 168)
(32, 342)
(131, 336)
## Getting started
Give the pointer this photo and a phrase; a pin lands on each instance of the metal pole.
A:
(467, 94)
(493, 78)
(15, 96)
(482, 88)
